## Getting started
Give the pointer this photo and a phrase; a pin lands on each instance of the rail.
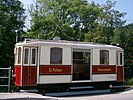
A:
(6, 77)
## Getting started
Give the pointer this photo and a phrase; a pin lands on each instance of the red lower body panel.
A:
(55, 70)
(29, 76)
(17, 73)
(120, 73)
(104, 69)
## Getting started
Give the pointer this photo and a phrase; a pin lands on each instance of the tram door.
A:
(81, 64)
(29, 70)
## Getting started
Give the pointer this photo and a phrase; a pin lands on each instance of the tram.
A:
(49, 65)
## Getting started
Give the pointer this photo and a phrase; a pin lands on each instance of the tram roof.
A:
(63, 43)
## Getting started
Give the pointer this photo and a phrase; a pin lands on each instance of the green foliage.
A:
(66, 18)
(107, 21)
(11, 19)
(129, 82)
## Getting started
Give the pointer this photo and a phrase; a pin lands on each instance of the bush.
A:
(129, 82)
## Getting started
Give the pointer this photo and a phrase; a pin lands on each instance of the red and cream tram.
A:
(58, 64)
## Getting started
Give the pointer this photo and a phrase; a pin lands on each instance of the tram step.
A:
(117, 87)
(30, 91)
(78, 93)
(81, 88)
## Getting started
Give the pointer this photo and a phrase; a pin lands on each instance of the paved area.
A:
(24, 96)
(126, 95)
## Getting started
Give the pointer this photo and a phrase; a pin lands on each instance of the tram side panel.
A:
(18, 66)
(120, 74)
(120, 67)
(104, 65)
(55, 72)
(25, 67)
(17, 75)
(107, 67)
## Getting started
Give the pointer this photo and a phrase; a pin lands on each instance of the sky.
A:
(121, 5)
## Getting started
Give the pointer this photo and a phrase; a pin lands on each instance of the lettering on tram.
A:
(104, 69)
(55, 70)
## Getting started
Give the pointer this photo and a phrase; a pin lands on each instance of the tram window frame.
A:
(104, 57)
(19, 55)
(35, 56)
(56, 55)
(120, 58)
(26, 55)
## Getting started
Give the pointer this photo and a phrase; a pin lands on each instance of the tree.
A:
(68, 19)
(11, 19)
(108, 20)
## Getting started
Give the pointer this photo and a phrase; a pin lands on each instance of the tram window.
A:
(121, 58)
(33, 55)
(26, 55)
(86, 57)
(19, 55)
(56, 56)
(77, 57)
(104, 57)
(116, 58)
